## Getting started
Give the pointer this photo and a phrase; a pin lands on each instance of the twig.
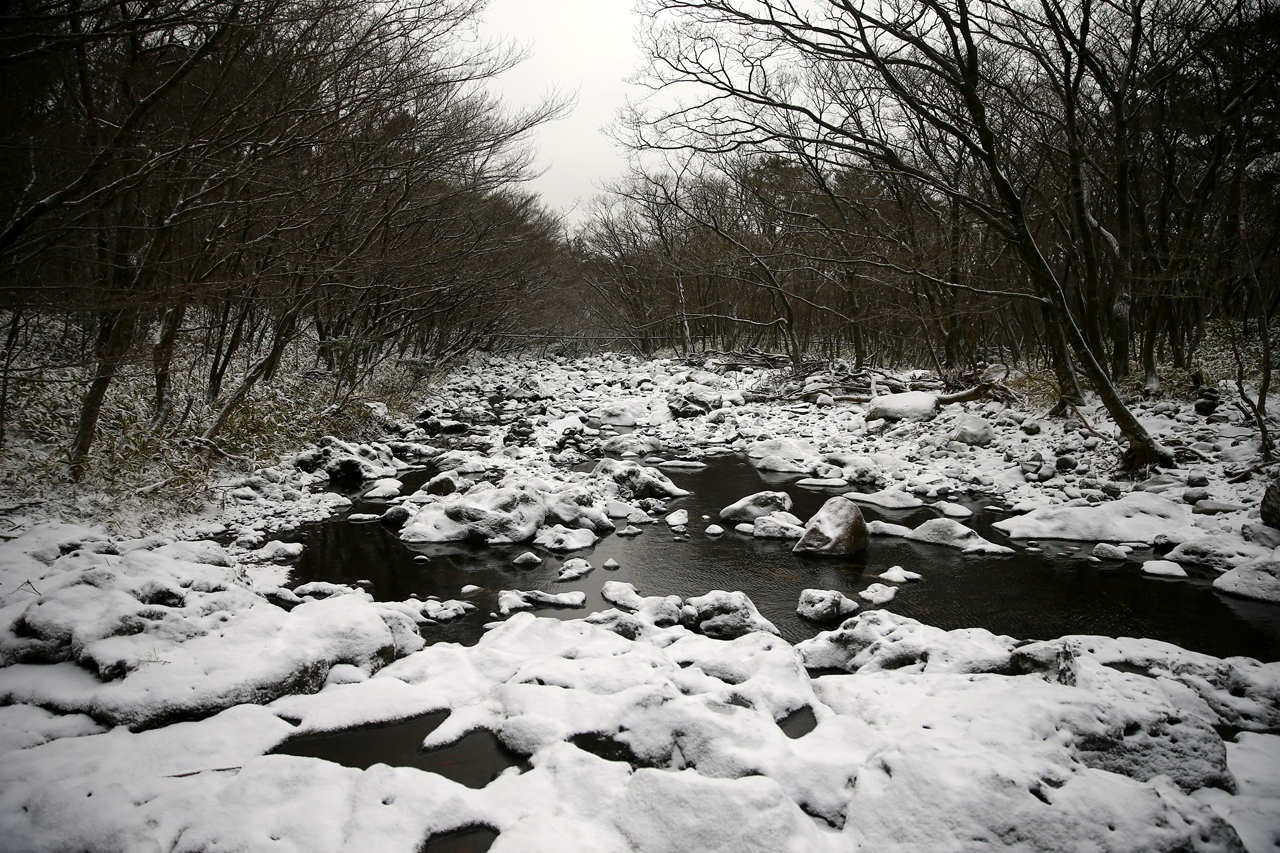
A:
(1085, 421)
(27, 583)
(1249, 472)
(155, 487)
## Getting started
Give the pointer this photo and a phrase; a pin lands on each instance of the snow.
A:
(1163, 568)
(145, 682)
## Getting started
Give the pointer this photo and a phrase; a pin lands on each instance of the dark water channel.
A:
(1029, 595)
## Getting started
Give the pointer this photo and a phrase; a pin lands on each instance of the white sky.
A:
(582, 47)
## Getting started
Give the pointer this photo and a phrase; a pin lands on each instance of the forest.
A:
(227, 219)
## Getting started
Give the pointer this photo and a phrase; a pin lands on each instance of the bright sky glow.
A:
(578, 47)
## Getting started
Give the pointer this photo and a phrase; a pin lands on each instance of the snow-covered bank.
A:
(143, 682)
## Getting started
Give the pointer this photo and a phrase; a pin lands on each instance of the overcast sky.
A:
(582, 47)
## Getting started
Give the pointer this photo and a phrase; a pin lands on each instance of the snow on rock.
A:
(878, 594)
(714, 530)
(1135, 517)
(344, 461)
(780, 465)
(515, 599)
(640, 445)
(751, 507)
(777, 525)
(836, 529)
(494, 516)
(679, 518)
(972, 430)
(727, 615)
(785, 448)
(878, 640)
(941, 531)
(637, 480)
(893, 497)
(1107, 551)
(1163, 568)
(1258, 579)
(907, 406)
(825, 605)
(560, 538)
(383, 489)
(897, 574)
(1217, 551)
(574, 569)
(274, 551)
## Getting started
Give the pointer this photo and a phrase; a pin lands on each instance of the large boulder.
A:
(755, 506)
(496, 516)
(877, 640)
(835, 530)
(907, 406)
(1270, 507)
(1258, 579)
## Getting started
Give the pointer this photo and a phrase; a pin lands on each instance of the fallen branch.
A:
(208, 444)
(155, 487)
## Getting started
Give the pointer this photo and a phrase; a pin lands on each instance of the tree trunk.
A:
(162, 360)
(118, 340)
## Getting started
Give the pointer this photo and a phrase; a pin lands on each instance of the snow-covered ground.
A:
(143, 682)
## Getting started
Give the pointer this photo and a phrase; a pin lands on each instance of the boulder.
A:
(907, 406)
(754, 506)
(971, 429)
(836, 529)
(638, 480)
(777, 525)
(560, 538)
(727, 615)
(1258, 579)
(876, 640)
(825, 605)
(496, 516)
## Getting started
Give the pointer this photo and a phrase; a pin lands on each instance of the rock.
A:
(1163, 568)
(1209, 507)
(878, 640)
(1194, 496)
(513, 599)
(444, 483)
(1031, 427)
(1258, 579)
(825, 605)
(495, 516)
(611, 564)
(1197, 479)
(384, 488)
(574, 569)
(973, 430)
(395, 516)
(1106, 551)
(714, 530)
(637, 480)
(781, 465)
(754, 506)
(727, 615)
(640, 445)
(630, 530)
(878, 594)
(941, 531)
(777, 525)
(1065, 463)
(527, 560)
(560, 538)
(1270, 507)
(897, 574)
(836, 529)
(907, 406)
(1260, 534)
(679, 518)
(784, 447)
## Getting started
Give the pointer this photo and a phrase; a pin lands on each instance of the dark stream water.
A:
(1029, 595)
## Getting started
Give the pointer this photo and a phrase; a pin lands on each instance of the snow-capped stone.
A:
(510, 600)
(496, 516)
(714, 530)
(574, 569)
(1258, 579)
(384, 488)
(560, 538)
(777, 525)
(972, 430)
(825, 605)
(878, 594)
(897, 574)
(1106, 551)
(527, 560)
(751, 507)
(878, 640)
(1163, 568)
(941, 531)
(836, 529)
(727, 615)
(1136, 517)
(785, 447)
(906, 406)
(679, 518)
(893, 497)
(637, 480)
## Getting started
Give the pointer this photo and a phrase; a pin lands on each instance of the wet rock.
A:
(560, 538)
(1210, 507)
(777, 525)
(878, 594)
(1107, 551)
(1163, 568)
(825, 605)
(395, 517)
(836, 529)
(754, 506)
(574, 569)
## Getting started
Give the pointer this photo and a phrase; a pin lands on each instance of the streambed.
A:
(1041, 592)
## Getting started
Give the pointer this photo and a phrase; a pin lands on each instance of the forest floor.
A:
(150, 671)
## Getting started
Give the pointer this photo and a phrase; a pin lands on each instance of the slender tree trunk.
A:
(10, 351)
(162, 361)
(118, 340)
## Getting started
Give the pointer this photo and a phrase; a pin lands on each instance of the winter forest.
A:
(334, 459)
